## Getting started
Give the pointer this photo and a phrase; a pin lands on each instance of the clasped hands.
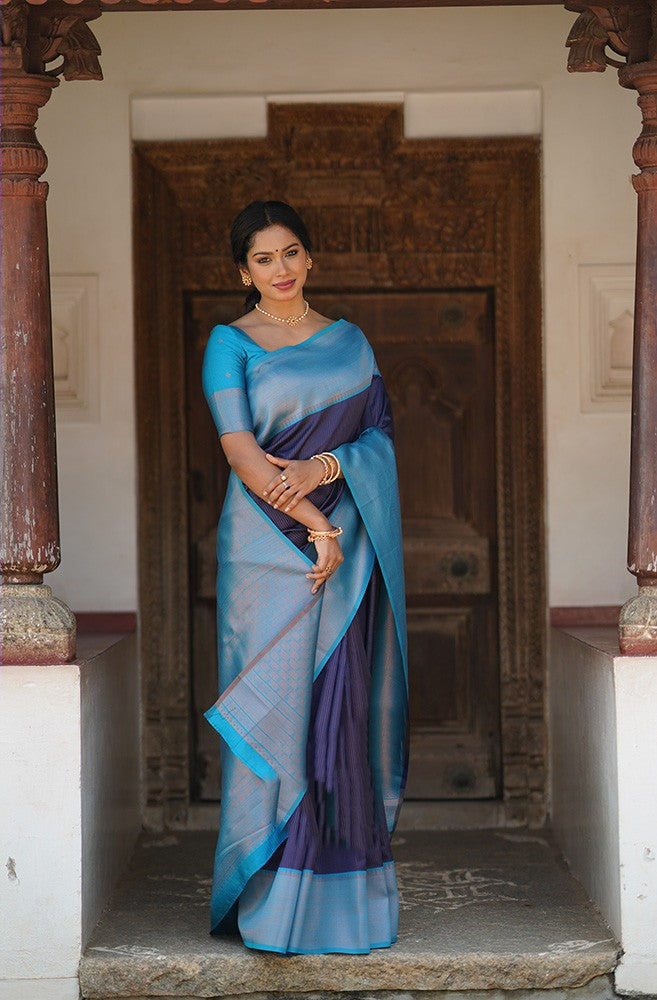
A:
(299, 478)
(302, 476)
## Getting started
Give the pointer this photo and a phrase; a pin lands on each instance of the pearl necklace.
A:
(290, 321)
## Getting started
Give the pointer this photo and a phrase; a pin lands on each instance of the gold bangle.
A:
(332, 468)
(337, 469)
(327, 468)
(320, 536)
(333, 464)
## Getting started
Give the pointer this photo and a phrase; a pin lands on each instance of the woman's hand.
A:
(298, 478)
(329, 557)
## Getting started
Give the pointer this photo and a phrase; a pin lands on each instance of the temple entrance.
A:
(432, 246)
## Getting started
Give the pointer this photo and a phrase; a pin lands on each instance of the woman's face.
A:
(277, 264)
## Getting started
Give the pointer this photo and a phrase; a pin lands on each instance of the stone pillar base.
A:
(35, 627)
(637, 625)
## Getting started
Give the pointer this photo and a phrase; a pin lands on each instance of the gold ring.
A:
(283, 477)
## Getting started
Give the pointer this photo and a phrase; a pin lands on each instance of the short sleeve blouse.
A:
(224, 381)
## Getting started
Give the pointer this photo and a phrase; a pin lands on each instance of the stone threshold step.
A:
(600, 988)
(488, 910)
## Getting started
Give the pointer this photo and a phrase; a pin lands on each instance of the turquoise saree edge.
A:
(293, 548)
(352, 614)
(350, 911)
(319, 951)
(359, 485)
(239, 746)
(233, 889)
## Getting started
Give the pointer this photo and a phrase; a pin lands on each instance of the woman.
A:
(310, 612)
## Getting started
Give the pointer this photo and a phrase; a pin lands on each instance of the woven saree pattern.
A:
(312, 710)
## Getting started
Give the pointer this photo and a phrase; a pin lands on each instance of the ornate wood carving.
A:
(632, 30)
(595, 30)
(29, 528)
(161, 5)
(35, 627)
(484, 226)
(162, 518)
(29, 534)
(302, 4)
(33, 37)
(66, 35)
(638, 618)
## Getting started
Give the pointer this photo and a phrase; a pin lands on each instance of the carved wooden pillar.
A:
(638, 620)
(629, 30)
(35, 626)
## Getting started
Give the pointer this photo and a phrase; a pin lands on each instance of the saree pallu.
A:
(313, 704)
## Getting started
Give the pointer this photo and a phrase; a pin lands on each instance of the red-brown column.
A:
(624, 35)
(36, 628)
(638, 620)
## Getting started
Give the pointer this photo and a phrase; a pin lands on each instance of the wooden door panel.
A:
(449, 769)
(449, 565)
(450, 676)
(440, 655)
(435, 352)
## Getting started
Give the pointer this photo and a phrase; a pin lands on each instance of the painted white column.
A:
(635, 679)
(604, 787)
(69, 788)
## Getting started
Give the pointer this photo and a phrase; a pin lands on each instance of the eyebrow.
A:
(257, 253)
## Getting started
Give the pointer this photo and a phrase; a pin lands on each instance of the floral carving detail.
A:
(596, 30)
(33, 36)
(13, 23)
(68, 36)
(25, 187)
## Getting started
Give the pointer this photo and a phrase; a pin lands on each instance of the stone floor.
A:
(492, 911)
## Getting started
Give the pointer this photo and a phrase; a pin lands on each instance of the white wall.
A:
(583, 767)
(636, 696)
(589, 127)
(69, 785)
(110, 770)
(40, 895)
(604, 788)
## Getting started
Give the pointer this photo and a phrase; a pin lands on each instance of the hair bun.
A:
(250, 301)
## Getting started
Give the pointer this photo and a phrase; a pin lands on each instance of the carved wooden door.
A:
(435, 352)
(433, 246)
(207, 479)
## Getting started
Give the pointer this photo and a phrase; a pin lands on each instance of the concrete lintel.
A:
(427, 114)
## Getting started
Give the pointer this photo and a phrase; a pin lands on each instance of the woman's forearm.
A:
(248, 461)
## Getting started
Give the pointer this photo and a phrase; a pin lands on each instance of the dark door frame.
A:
(482, 198)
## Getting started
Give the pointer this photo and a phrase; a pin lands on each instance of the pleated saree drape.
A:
(313, 688)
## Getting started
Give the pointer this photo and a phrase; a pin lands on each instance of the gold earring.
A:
(246, 279)
(309, 263)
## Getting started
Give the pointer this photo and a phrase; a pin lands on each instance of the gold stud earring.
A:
(309, 263)
(246, 279)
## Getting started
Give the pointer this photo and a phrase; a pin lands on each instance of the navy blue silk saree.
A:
(312, 711)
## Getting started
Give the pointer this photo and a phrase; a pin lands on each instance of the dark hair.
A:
(253, 219)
